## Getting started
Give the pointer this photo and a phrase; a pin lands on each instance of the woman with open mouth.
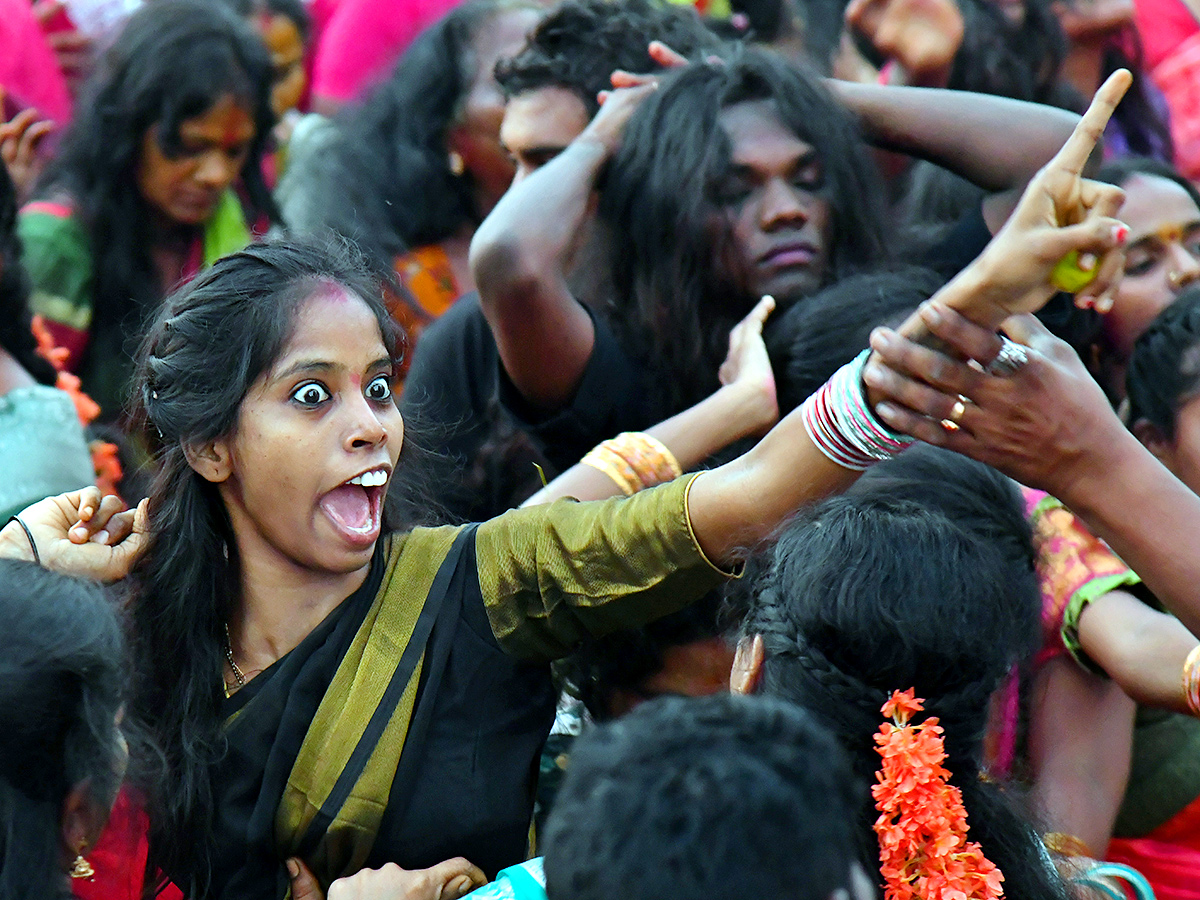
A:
(332, 690)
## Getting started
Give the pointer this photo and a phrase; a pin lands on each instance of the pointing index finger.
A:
(1075, 152)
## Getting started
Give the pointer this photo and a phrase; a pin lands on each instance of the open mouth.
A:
(355, 506)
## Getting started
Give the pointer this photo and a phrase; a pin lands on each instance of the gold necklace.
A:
(233, 667)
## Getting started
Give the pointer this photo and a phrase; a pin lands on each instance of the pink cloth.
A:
(1171, 42)
(364, 39)
(29, 72)
(1162, 25)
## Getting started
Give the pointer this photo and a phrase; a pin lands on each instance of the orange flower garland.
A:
(924, 853)
(104, 454)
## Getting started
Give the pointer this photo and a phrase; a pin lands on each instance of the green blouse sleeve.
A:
(552, 575)
(56, 255)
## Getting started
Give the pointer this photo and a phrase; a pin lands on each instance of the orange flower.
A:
(922, 827)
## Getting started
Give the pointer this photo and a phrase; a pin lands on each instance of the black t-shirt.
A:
(458, 399)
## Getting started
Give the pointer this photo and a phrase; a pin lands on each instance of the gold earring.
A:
(458, 165)
(81, 868)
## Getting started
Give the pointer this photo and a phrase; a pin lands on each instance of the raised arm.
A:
(958, 130)
(520, 255)
(744, 405)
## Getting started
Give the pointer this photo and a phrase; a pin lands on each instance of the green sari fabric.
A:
(453, 770)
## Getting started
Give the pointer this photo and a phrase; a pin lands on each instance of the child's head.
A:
(62, 755)
(719, 798)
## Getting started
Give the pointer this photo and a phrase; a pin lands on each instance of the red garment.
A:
(1169, 856)
(364, 39)
(1171, 42)
(29, 73)
(1162, 25)
(119, 857)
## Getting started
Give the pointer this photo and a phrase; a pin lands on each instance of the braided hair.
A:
(920, 576)
(1164, 369)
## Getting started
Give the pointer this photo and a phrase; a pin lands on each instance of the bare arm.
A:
(519, 258)
(1050, 426)
(1080, 743)
(1141, 649)
(957, 130)
(744, 405)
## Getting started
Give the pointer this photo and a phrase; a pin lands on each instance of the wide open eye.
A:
(380, 389)
(311, 393)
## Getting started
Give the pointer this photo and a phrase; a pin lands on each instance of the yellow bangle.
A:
(634, 461)
(1066, 845)
(1191, 681)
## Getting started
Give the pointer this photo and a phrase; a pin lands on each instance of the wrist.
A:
(14, 544)
(749, 407)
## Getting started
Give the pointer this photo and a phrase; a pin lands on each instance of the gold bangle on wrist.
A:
(1190, 677)
(1066, 845)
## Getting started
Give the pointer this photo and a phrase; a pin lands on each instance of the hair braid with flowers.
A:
(875, 591)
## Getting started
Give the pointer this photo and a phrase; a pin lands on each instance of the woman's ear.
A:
(212, 461)
(1155, 441)
(747, 665)
(82, 822)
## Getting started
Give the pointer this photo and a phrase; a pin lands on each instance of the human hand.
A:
(748, 368)
(1039, 424)
(630, 89)
(20, 139)
(447, 880)
(922, 36)
(1060, 212)
(73, 50)
(80, 533)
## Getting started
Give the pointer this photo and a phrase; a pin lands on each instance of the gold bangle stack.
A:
(1191, 681)
(1066, 845)
(634, 461)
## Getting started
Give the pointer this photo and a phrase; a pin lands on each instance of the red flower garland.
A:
(924, 853)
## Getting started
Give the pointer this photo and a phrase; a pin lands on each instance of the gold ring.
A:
(952, 422)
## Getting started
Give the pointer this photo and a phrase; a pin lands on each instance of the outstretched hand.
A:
(1060, 213)
(447, 880)
(20, 139)
(748, 366)
(629, 90)
(1033, 423)
(80, 533)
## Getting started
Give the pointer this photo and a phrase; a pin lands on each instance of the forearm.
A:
(1080, 743)
(731, 413)
(956, 130)
(519, 260)
(1149, 518)
(738, 505)
(1141, 649)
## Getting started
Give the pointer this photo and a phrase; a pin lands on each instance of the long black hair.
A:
(1164, 368)
(673, 306)
(384, 179)
(16, 335)
(61, 673)
(921, 576)
(171, 62)
(207, 346)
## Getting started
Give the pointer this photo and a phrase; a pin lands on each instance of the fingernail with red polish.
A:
(1120, 234)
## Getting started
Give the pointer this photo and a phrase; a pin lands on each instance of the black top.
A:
(478, 725)
(458, 387)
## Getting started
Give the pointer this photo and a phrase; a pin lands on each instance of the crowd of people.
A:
(600, 449)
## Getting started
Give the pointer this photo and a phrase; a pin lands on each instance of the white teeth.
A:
(374, 478)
